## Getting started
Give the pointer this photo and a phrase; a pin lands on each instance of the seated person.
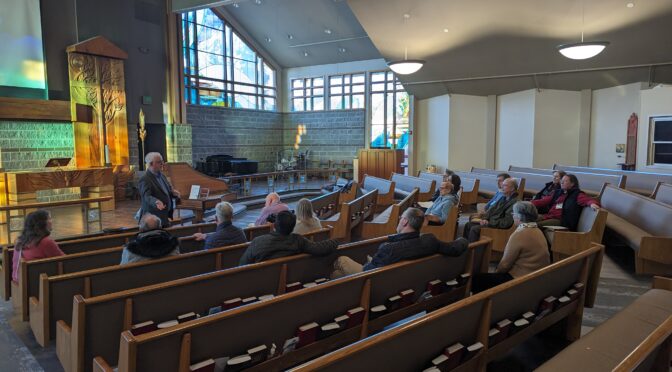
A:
(549, 188)
(34, 242)
(407, 244)
(498, 195)
(282, 242)
(438, 212)
(226, 233)
(273, 206)
(305, 218)
(498, 216)
(525, 252)
(437, 193)
(151, 242)
(565, 205)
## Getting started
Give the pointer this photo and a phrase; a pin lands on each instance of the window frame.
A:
(349, 95)
(385, 91)
(650, 161)
(305, 97)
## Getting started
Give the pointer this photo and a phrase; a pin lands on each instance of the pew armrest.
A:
(567, 243)
(661, 282)
(63, 345)
(100, 365)
(656, 248)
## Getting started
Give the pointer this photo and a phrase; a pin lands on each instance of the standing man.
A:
(156, 193)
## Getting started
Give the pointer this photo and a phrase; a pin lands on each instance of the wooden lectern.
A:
(380, 162)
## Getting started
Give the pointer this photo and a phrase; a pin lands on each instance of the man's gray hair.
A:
(151, 155)
(415, 218)
(526, 210)
(149, 222)
(513, 182)
(224, 211)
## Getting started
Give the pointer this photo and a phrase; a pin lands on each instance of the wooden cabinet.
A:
(380, 162)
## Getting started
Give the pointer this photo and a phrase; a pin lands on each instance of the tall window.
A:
(389, 111)
(308, 94)
(220, 69)
(660, 141)
(347, 91)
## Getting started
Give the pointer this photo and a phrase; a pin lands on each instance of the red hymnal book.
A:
(562, 301)
(472, 350)
(393, 303)
(356, 317)
(463, 278)
(307, 334)
(258, 354)
(435, 287)
(230, 304)
(546, 307)
(329, 329)
(432, 369)
(144, 327)
(452, 284)
(440, 362)
(579, 287)
(529, 316)
(377, 311)
(454, 353)
(519, 325)
(186, 317)
(504, 326)
(239, 363)
(204, 366)
(342, 320)
(494, 337)
(321, 280)
(406, 297)
(291, 287)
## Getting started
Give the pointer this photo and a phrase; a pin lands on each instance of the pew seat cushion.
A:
(629, 232)
(384, 216)
(605, 346)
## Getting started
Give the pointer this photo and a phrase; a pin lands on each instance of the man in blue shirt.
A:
(499, 194)
(438, 212)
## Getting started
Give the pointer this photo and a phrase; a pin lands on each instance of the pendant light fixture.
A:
(406, 66)
(584, 49)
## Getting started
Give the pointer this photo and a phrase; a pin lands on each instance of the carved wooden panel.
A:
(29, 182)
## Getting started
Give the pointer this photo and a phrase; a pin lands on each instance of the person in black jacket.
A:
(282, 242)
(151, 242)
(549, 188)
(226, 233)
(156, 193)
(407, 244)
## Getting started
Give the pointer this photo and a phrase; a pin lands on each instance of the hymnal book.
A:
(454, 353)
(463, 278)
(258, 354)
(274, 349)
(230, 304)
(562, 301)
(435, 287)
(204, 366)
(579, 287)
(377, 311)
(144, 327)
(519, 325)
(307, 334)
(406, 297)
(239, 363)
(504, 326)
(356, 317)
(546, 307)
(529, 316)
(289, 345)
(555, 228)
(431, 369)
(393, 303)
(452, 284)
(291, 287)
(186, 317)
(342, 320)
(329, 329)
(194, 192)
(167, 324)
(214, 310)
(321, 280)
(573, 294)
(472, 350)
(266, 297)
(426, 204)
(494, 336)
(309, 285)
(248, 300)
(424, 296)
(440, 362)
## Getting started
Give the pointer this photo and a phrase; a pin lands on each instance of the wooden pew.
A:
(325, 206)
(385, 190)
(447, 231)
(30, 271)
(487, 186)
(88, 243)
(412, 346)
(663, 193)
(646, 325)
(644, 224)
(546, 172)
(278, 319)
(404, 185)
(469, 186)
(351, 215)
(640, 182)
(54, 299)
(386, 222)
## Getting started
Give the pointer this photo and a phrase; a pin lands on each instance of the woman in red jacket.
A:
(34, 241)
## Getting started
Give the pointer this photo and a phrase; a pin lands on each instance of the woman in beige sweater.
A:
(525, 252)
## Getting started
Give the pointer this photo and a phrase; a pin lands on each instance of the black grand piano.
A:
(226, 165)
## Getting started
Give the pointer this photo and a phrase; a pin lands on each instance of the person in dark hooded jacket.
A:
(151, 242)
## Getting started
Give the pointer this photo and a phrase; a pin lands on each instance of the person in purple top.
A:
(273, 206)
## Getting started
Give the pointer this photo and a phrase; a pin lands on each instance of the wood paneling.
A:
(380, 163)
(34, 109)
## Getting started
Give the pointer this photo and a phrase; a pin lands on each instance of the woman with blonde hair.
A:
(305, 218)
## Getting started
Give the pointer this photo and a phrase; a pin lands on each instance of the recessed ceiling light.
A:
(258, 2)
(268, 39)
(327, 31)
(305, 53)
(342, 50)
(290, 36)
(630, 5)
(407, 16)
(236, 5)
(445, 30)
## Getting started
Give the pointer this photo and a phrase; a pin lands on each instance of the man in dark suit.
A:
(156, 193)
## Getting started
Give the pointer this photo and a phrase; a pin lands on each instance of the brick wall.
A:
(179, 143)
(31, 144)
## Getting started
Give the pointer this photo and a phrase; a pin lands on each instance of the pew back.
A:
(404, 185)
(386, 222)
(649, 215)
(639, 182)
(325, 206)
(385, 189)
(513, 168)
(351, 215)
(663, 193)
(469, 186)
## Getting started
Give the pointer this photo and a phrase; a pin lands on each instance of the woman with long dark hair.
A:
(34, 241)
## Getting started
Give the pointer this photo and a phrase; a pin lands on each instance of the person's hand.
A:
(595, 206)
(199, 237)
(176, 193)
(160, 206)
(484, 222)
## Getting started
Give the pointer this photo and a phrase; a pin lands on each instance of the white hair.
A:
(149, 222)
(151, 156)
(224, 211)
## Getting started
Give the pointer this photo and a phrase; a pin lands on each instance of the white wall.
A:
(556, 128)
(431, 132)
(611, 109)
(467, 145)
(654, 102)
(515, 129)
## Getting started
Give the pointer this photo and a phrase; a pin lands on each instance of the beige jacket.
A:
(526, 251)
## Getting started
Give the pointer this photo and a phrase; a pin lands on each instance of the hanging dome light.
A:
(582, 50)
(407, 66)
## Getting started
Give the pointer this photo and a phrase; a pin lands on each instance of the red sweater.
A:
(555, 211)
(47, 247)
